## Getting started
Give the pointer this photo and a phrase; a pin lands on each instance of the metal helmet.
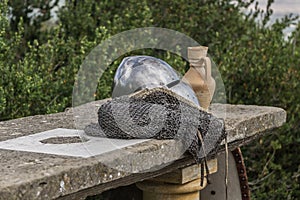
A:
(139, 72)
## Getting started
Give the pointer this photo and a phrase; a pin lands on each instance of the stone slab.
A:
(26, 175)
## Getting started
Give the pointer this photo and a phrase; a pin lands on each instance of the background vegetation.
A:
(39, 61)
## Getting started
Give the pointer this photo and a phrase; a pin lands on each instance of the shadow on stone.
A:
(64, 140)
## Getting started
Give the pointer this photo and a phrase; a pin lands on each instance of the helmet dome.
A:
(139, 72)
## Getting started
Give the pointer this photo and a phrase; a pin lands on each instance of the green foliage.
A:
(258, 65)
(41, 80)
(115, 16)
(32, 14)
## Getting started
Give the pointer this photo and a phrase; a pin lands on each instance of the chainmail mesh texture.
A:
(160, 114)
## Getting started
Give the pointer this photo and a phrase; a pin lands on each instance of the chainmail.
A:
(160, 114)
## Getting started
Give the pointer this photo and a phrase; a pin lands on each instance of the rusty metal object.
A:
(241, 169)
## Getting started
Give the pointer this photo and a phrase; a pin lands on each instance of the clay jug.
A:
(199, 75)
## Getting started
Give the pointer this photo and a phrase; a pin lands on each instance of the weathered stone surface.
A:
(246, 121)
(31, 176)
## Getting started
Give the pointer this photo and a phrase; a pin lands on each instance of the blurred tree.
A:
(33, 13)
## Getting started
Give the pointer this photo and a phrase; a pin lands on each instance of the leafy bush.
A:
(257, 64)
(40, 81)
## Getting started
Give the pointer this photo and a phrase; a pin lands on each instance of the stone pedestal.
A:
(156, 190)
(181, 184)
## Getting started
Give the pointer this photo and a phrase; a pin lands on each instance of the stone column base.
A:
(156, 190)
